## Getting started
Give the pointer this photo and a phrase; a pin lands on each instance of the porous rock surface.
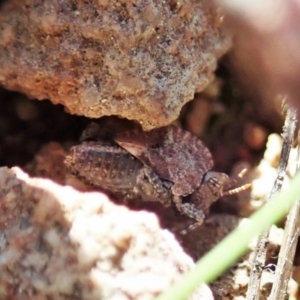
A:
(139, 59)
(58, 243)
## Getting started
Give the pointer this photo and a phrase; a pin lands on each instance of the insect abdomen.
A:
(110, 168)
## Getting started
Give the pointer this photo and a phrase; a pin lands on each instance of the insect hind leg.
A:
(152, 187)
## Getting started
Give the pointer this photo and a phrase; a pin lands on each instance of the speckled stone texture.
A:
(140, 59)
(58, 243)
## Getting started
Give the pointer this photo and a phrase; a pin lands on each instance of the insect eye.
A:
(214, 181)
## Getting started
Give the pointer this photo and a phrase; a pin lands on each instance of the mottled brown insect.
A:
(168, 165)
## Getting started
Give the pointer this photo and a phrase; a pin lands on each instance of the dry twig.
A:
(260, 253)
(288, 248)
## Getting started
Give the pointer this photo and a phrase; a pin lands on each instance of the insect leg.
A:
(149, 185)
(191, 211)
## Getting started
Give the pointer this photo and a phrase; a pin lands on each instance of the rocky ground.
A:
(143, 60)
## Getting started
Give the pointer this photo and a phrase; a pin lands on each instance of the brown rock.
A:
(138, 59)
(265, 58)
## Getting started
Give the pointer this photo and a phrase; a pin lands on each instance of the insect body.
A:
(168, 164)
(117, 172)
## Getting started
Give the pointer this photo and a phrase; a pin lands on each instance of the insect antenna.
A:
(232, 182)
(237, 190)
